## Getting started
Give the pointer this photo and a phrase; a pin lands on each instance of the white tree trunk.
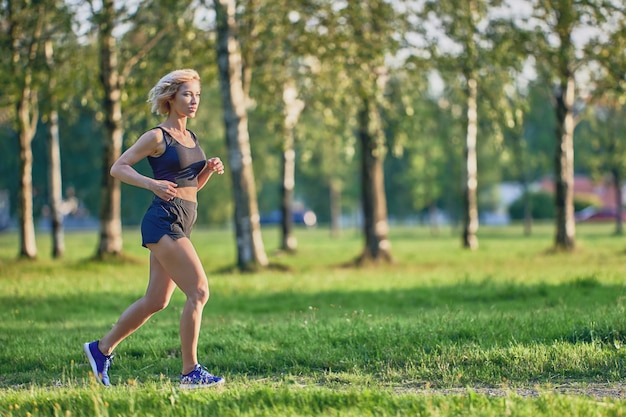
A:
(470, 215)
(110, 189)
(250, 248)
(564, 167)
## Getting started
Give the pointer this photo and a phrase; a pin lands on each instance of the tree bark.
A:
(54, 161)
(519, 154)
(375, 223)
(289, 242)
(564, 166)
(27, 112)
(528, 209)
(335, 207)
(56, 193)
(250, 249)
(23, 57)
(110, 190)
(292, 109)
(470, 200)
(433, 220)
(619, 208)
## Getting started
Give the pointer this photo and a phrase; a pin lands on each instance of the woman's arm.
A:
(212, 165)
(148, 144)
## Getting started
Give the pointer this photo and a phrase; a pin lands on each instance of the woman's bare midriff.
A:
(187, 193)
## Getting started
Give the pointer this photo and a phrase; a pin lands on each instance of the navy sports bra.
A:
(178, 163)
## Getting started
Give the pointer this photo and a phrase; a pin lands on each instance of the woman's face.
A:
(187, 99)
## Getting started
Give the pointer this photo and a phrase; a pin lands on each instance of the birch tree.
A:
(113, 76)
(608, 112)
(366, 30)
(24, 33)
(234, 84)
(557, 23)
(54, 156)
(473, 52)
(273, 44)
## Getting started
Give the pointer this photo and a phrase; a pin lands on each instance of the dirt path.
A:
(617, 391)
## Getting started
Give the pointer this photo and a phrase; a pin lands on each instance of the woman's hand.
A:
(212, 165)
(165, 190)
(215, 165)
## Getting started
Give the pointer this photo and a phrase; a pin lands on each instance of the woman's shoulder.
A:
(152, 140)
(156, 135)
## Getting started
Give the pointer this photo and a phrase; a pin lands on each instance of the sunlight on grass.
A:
(313, 336)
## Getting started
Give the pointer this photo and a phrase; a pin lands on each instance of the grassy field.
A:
(510, 329)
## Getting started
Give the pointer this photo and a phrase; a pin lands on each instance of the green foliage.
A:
(541, 203)
(529, 136)
(431, 168)
(542, 206)
(582, 201)
(330, 51)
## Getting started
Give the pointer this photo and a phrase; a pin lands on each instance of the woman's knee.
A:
(156, 304)
(200, 295)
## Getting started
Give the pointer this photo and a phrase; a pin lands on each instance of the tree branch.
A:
(142, 53)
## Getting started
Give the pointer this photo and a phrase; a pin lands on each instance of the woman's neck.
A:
(175, 123)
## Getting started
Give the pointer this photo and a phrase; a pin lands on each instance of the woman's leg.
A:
(157, 297)
(180, 260)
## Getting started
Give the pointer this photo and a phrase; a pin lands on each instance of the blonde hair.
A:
(166, 89)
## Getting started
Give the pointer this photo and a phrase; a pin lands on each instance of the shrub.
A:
(584, 200)
(542, 205)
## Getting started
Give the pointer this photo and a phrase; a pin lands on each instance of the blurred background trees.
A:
(367, 114)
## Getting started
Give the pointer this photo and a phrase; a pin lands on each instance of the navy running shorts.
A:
(174, 218)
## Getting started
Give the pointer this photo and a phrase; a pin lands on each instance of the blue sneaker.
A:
(100, 362)
(199, 378)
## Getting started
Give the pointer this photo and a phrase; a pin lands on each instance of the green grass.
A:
(314, 337)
